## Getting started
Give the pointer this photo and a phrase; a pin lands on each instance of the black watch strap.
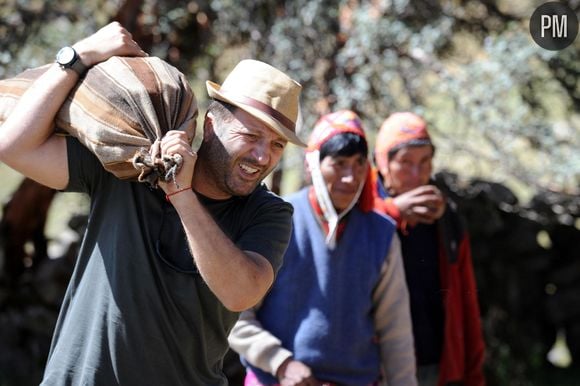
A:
(78, 66)
(67, 57)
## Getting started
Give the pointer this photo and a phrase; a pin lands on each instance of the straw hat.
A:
(264, 92)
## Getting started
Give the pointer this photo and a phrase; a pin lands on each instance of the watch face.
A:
(65, 56)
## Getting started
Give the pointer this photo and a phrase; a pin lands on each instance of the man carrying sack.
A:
(162, 273)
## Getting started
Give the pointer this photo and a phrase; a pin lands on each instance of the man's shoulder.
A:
(263, 196)
(262, 192)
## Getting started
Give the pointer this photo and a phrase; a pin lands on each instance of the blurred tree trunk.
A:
(23, 221)
(129, 17)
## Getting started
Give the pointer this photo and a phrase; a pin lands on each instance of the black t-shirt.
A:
(137, 312)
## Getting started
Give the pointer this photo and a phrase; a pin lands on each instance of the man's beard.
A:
(219, 164)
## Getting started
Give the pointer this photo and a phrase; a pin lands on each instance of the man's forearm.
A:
(27, 143)
(238, 278)
(26, 138)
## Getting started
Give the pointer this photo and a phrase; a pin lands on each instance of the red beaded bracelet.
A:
(174, 193)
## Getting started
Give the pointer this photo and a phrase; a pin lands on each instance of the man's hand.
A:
(111, 40)
(177, 142)
(424, 204)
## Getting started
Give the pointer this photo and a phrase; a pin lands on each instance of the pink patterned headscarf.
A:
(329, 125)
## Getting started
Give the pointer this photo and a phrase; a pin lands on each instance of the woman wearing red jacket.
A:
(449, 344)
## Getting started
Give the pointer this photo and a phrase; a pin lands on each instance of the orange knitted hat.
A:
(400, 129)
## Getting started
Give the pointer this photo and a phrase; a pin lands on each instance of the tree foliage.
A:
(500, 106)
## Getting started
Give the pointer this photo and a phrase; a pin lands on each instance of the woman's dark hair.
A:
(344, 145)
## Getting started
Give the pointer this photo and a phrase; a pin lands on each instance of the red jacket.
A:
(463, 351)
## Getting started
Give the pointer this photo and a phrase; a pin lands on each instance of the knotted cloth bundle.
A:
(120, 110)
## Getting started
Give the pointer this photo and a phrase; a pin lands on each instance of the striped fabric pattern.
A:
(120, 110)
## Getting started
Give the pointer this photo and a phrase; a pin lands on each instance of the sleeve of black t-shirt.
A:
(270, 229)
(84, 168)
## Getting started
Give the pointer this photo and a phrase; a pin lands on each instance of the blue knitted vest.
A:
(321, 306)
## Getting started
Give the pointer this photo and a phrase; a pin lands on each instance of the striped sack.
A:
(120, 110)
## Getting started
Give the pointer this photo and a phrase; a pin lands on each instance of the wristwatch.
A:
(67, 57)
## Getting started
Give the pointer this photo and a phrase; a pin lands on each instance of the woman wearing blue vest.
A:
(338, 312)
